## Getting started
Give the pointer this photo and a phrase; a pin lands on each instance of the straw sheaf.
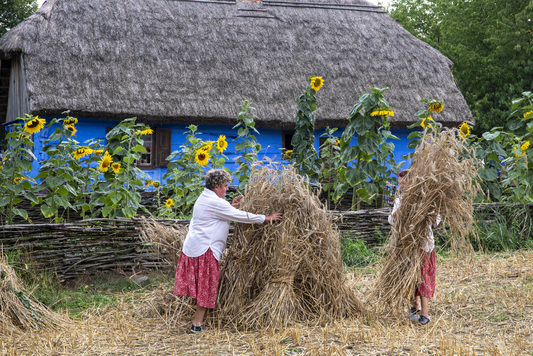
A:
(18, 310)
(165, 240)
(279, 273)
(195, 61)
(442, 181)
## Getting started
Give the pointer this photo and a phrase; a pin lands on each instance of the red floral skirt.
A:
(197, 277)
(428, 271)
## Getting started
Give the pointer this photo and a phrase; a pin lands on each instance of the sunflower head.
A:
(147, 132)
(98, 152)
(116, 167)
(18, 180)
(34, 125)
(436, 106)
(382, 112)
(525, 146)
(70, 121)
(288, 153)
(316, 83)
(169, 203)
(148, 183)
(527, 114)
(207, 147)
(72, 129)
(221, 143)
(464, 130)
(105, 163)
(337, 142)
(426, 122)
(82, 152)
(157, 184)
(202, 157)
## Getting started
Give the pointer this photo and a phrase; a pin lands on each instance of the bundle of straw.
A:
(282, 272)
(442, 180)
(165, 240)
(18, 311)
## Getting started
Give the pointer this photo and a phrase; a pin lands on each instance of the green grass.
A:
(355, 253)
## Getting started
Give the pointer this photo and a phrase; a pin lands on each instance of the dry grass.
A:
(441, 182)
(481, 307)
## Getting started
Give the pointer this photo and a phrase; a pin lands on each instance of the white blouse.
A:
(429, 243)
(209, 226)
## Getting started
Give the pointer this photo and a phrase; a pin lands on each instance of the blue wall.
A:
(270, 140)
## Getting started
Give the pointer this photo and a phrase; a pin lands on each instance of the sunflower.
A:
(98, 152)
(35, 125)
(148, 183)
(18, 179)
(525, 146)
(116, 167)
(426, 121)
(156, 184)
(72, 129)
(221, 143)
(337, 142)
(207, 147)
(70, 121)
(105, 163)
(202, 157)
(464, 130)
(436, 106)
(382, 112)
(147, 132)
(169, 203)
(316, 83)
(527, 113)
(288, 153)
(82, 152)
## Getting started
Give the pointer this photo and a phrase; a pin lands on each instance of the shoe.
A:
(197, 329)
(414, 310)
(423, 320)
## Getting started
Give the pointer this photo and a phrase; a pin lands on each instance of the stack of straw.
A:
(442, 180)
(18, 311)
(283, 272)
(165, 240)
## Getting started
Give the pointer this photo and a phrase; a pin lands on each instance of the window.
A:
(286, 142)
(157, 148)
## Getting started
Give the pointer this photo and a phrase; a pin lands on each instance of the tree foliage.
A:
(12, 12)
(490, 43)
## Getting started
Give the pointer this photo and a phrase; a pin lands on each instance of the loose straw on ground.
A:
(165, 240)
(441, 181)
(283, 272)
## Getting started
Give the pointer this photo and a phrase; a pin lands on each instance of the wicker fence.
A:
(90, 246)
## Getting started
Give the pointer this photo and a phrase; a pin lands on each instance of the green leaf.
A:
(363, 124)
(115, 197)
(354, 176)
(47, 211)
(106, 210)
(4, 201)
(62, 191)
(488, 174)
(491, 135)
(139, 148)
(368, 144)
(21, 212)
(31, 197)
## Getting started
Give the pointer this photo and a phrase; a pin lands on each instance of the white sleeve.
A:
(225, 211)
(394, 208)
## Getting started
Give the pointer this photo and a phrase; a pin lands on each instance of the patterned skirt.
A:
(428, 271)
(197, 277)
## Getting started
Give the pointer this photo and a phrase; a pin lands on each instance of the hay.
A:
(165, 240)
(18, 311)
(291, 271)
(441, 181)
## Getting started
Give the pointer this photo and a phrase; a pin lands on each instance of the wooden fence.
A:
(91, 246)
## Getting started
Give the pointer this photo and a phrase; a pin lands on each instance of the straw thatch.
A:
(195, 61)
(441, 181)
(279, 273)
(18, 310)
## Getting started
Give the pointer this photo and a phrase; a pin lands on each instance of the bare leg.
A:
(416, 303)
(425, 303)
(199, 316)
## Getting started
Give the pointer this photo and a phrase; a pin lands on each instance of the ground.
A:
(483, 306)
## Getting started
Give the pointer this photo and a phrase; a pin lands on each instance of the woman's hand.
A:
(236, 201)
(274, 217)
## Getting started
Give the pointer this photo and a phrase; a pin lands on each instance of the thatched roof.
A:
(195, 61)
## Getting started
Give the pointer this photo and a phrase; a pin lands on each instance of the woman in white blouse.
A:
(197, 273)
